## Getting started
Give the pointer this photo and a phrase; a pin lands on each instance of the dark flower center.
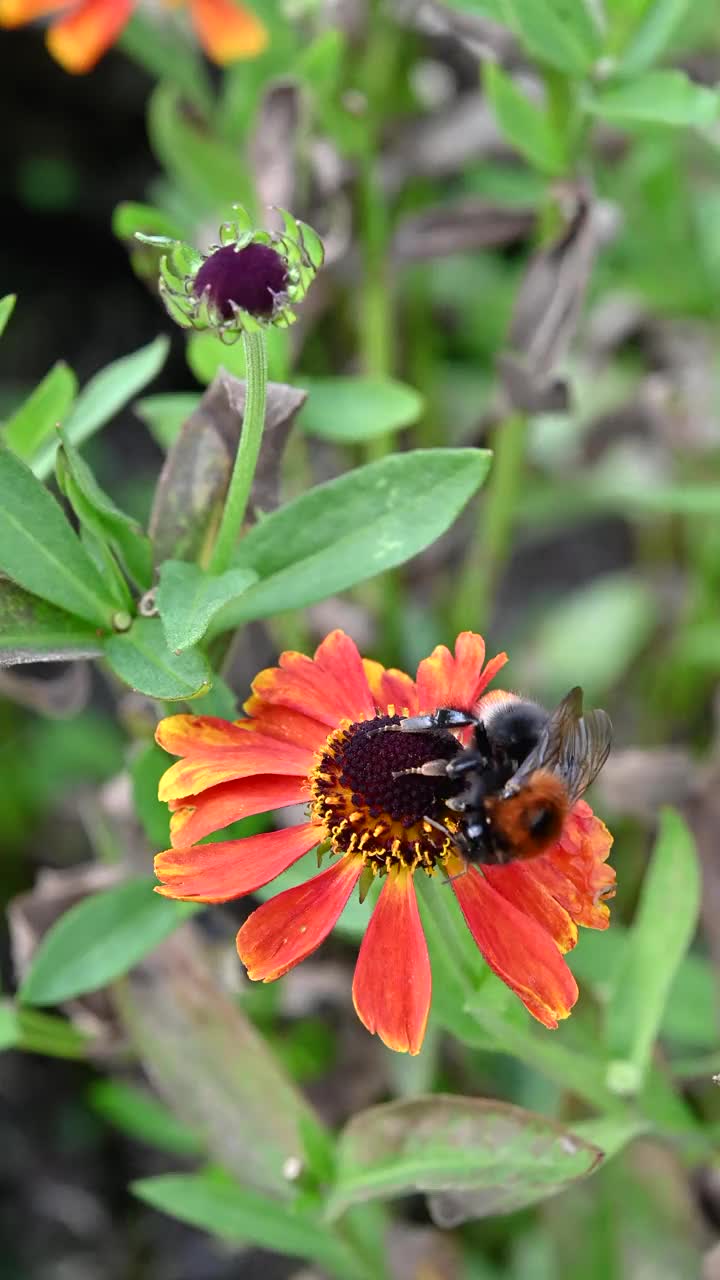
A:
(250, 278)
(370, 804)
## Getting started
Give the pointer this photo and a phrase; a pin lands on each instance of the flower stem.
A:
(490, 546)
(247, 455)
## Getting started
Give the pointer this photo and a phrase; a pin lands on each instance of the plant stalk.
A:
(238, 494)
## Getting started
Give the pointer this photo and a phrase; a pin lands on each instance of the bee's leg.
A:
(457, 838)
(443, 718)
(430, 769)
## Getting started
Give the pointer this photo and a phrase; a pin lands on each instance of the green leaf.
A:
(214, 1203)
(561, 33)
(524, 123)
(164, 415)
(143, 1117)
(43, 410)
(649, 40)
(352, 528)
(658, 97)
(99, 939)
(476, 1157)
(207, 355)
(37, 1032)
(352, 410)
(143, 660)
(188, 599)
(104, 396)
(95, 509)
(33, 630)
(40, 551)
(662, 931)
(210, 170)
(146, 770)
(7, 305)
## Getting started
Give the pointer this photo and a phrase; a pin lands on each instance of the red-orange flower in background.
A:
(311, 737)
(86, 29)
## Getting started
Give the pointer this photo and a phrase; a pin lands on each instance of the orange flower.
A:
(309, 738)
(87, 28)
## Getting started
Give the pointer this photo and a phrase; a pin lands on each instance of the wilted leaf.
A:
(211, 1066)
(475, 1157)
(273, 144)
(194, 479)
(464, 226)
(547, 311)
(59, 695)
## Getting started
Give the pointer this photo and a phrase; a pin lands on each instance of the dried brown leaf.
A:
(462, 227)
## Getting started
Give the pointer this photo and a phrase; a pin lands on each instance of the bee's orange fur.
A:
(543, 796)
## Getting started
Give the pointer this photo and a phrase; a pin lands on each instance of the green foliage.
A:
(352, 528)
(99, 939)
(352, 410)
(188, 600)
(7, 305)
(524, 124)
(138, 1114)
(143, 660)
(44, 409)
(657, 97)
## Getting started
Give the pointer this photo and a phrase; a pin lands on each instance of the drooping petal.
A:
(288, 928)
(329, 687)
(447, 681)
(392, 984)
(517, 883)
(255, 754)
(517, 949)
(575, 869)
(231, 868)
(15, 13)
(78, 41)
(281, 722)
(228, 31)
(185, 735)
(218, 807)
(391, 688)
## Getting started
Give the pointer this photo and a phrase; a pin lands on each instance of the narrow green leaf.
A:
(104, 396)
(164, 415)
(658, 97)
(476, 1156)
(214, 1203)
(43, 410)
(37, 1032)
(33, 630)
(188, 599)
(40, 551)
(143, 660)
(524, 123)
(143, 1117)
(659, 23)
(95, 509)
(662, 931)
(7, 305)
(352, 410)
(352, 528)
(99, 939)
(561, 33)
(208, 169)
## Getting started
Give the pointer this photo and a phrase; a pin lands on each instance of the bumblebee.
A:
(521, 773)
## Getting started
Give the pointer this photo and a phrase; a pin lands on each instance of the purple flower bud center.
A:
(248, 277)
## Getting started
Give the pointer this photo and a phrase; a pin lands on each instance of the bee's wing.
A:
(573, 745)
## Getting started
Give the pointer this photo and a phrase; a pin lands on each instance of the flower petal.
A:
(185, 735)
(291, 926)
(255, 754)
(391, 688)
(392, 984)
(15, 13)
(230, 801)
(228, 31)
(330, 687)
(231, 868)
(447, 681)
(575, 869)
(517, 949)
(517, 883)
(79, 41)
(280, 722)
